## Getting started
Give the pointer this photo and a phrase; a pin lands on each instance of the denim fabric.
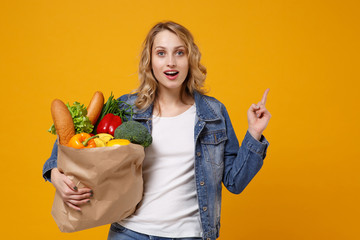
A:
(118, 232)
(50, 163)
(218, 157)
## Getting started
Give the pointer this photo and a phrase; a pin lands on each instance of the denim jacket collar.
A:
(143, 115)
(203, 109)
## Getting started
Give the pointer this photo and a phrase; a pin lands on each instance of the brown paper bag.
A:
(115, 176)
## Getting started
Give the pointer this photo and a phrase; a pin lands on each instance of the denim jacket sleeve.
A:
(241, 163)
(50, 163)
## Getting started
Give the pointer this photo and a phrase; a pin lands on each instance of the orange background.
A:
(306, 52)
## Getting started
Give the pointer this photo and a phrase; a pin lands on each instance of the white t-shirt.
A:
(169, 207)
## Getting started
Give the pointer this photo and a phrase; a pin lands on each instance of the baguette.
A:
(95, 106)
(63, 121)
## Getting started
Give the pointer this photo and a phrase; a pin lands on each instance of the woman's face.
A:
(169, 61)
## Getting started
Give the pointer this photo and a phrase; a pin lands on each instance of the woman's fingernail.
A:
(75, 188)
(88, 201)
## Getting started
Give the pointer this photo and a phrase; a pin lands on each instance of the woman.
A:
(194, 147)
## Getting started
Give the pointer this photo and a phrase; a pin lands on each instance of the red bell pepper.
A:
(108, 124)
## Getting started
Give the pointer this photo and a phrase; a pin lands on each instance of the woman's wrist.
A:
(53, 173)
(255, 134)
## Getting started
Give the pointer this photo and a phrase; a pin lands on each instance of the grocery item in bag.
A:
(115, 176)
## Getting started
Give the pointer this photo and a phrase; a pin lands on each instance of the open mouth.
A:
(171, 73)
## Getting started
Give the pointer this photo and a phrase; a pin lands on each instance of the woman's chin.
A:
(170, 87)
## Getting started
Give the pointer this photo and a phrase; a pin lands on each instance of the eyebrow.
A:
(181, 46)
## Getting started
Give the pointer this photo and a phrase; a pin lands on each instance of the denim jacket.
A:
(218, 157)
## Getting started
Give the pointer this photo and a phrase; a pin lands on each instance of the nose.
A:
(171, 61)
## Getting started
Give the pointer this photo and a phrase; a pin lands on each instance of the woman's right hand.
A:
(70, 194)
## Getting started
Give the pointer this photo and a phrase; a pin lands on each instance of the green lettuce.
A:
(81, 122)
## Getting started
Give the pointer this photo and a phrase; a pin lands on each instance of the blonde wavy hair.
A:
(147, 90)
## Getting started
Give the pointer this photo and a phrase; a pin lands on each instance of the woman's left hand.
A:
(258, 117)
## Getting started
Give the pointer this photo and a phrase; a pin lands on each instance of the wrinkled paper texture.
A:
(115, 176)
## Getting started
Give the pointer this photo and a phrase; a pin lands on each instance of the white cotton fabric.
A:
(169, 207)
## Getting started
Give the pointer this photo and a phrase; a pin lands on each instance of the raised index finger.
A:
(263, 100)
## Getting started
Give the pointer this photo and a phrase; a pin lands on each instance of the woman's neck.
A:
(170, 103)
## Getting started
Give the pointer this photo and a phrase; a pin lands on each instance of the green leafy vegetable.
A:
(81, 122)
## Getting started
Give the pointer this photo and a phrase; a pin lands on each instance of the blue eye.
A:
(180, 53)
(161, 53)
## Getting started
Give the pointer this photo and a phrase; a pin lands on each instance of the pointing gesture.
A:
(258, 117)
(263, 100)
